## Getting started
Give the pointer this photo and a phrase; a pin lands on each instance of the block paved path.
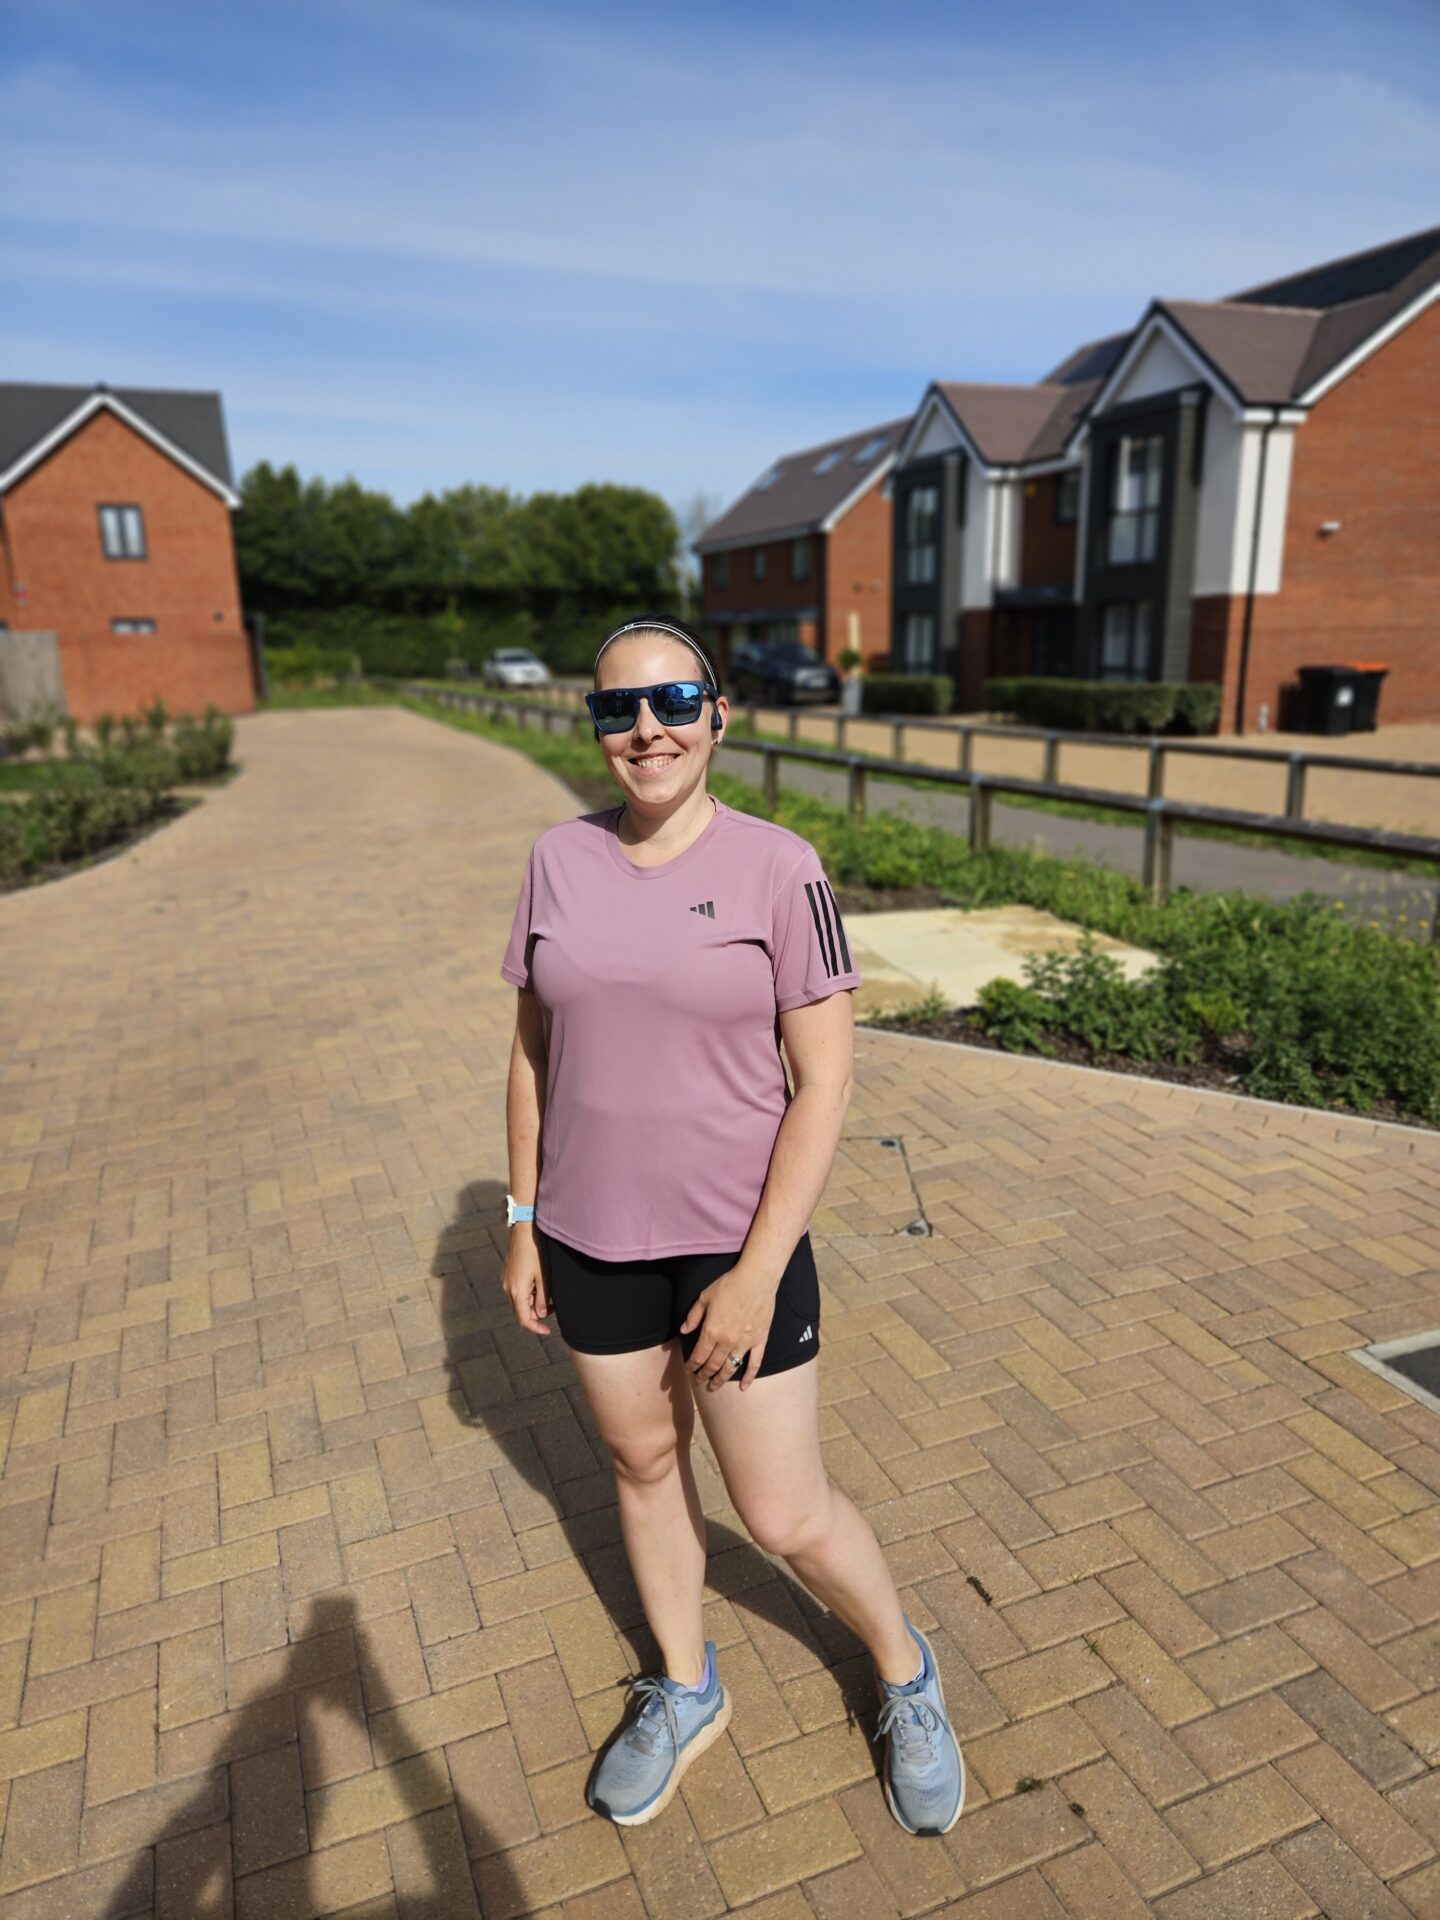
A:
(311, 1595)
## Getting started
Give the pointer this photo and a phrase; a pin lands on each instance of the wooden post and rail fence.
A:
(1158, 816)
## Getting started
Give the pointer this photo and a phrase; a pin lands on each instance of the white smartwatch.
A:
(517, 1210)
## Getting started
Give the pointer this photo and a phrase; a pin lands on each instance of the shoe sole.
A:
(930, 1833)
(692, 1750)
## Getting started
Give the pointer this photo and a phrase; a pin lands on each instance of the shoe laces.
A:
(646, 1727)
(913, 1725)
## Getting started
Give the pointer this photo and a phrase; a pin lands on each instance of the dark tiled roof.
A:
(1012, 425)
(1259, 351)
(192, 421)
(803, 489)
(1002, 421)
(1351, 298)
(1049, 442)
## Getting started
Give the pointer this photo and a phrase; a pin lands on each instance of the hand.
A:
(523, 1279)
(733, 1315)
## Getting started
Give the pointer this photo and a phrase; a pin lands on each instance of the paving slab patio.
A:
(312, 1599)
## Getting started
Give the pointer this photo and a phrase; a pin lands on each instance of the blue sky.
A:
(424, 242)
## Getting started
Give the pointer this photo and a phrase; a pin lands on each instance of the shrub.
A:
(99, 795)
(1104, 706)
(930, 693)
(306, 665)
(1016, 1016)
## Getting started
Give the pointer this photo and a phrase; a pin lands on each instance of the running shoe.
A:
(924, 1772)
(672, 1725)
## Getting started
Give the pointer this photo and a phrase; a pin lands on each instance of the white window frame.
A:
(122, 530)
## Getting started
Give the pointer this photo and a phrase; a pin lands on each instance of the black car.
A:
(781, 673)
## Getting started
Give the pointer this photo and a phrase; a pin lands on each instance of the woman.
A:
(663, 1177)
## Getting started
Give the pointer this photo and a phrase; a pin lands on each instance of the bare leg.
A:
(767, 1442)
(642, 1406)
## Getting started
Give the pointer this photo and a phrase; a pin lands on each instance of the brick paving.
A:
(311, 1594)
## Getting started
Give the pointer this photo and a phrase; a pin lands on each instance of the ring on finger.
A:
(735, 1359)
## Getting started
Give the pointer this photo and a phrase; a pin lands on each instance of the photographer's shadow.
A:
(520, 1405)
(254, 1836)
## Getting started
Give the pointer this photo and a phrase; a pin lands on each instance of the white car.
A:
(514, 667)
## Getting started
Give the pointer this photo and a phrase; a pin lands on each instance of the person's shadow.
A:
(288, 1814)
(516, 1399)
(289, 1817)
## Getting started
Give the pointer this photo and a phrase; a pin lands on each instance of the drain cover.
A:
(1413, 1364)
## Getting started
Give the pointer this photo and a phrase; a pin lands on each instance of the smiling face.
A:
(657, 766)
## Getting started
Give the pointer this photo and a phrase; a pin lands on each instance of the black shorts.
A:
(623, 1306)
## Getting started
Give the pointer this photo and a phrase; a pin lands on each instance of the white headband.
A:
(659, 626)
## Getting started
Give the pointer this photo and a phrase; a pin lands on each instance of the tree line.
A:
(453, 575)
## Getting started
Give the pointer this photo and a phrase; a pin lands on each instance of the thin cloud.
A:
(686, 246)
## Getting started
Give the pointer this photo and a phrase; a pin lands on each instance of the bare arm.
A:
(523, 1275)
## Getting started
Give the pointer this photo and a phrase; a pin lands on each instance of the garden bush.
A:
(102, 794)
(930, 693)
(306, 665)
(1105, 706)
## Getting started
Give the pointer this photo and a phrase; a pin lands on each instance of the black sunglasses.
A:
(674, 703)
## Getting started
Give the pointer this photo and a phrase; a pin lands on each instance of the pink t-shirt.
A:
(662, 989)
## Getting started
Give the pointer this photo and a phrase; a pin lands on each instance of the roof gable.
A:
(1258, 350)
(187, 426)
(1003, 421)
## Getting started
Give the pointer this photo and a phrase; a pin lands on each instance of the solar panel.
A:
(1337, 282)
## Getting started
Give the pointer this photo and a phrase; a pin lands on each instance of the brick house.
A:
(1227, 491)
(804, 554)
(115, 536)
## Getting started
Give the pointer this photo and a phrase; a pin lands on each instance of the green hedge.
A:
(1108, 706)
(101, 794)
(307, 665)
(929, 693)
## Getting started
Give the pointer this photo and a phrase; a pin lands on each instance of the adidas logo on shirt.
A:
(707, 907)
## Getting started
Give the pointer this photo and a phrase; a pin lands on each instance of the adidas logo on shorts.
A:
(809, 1333)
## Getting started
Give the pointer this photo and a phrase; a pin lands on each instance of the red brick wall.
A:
(1365, 457)
(858, 578)
(53, 549)
(849, 572)
(746, 594)
(1047, 549)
